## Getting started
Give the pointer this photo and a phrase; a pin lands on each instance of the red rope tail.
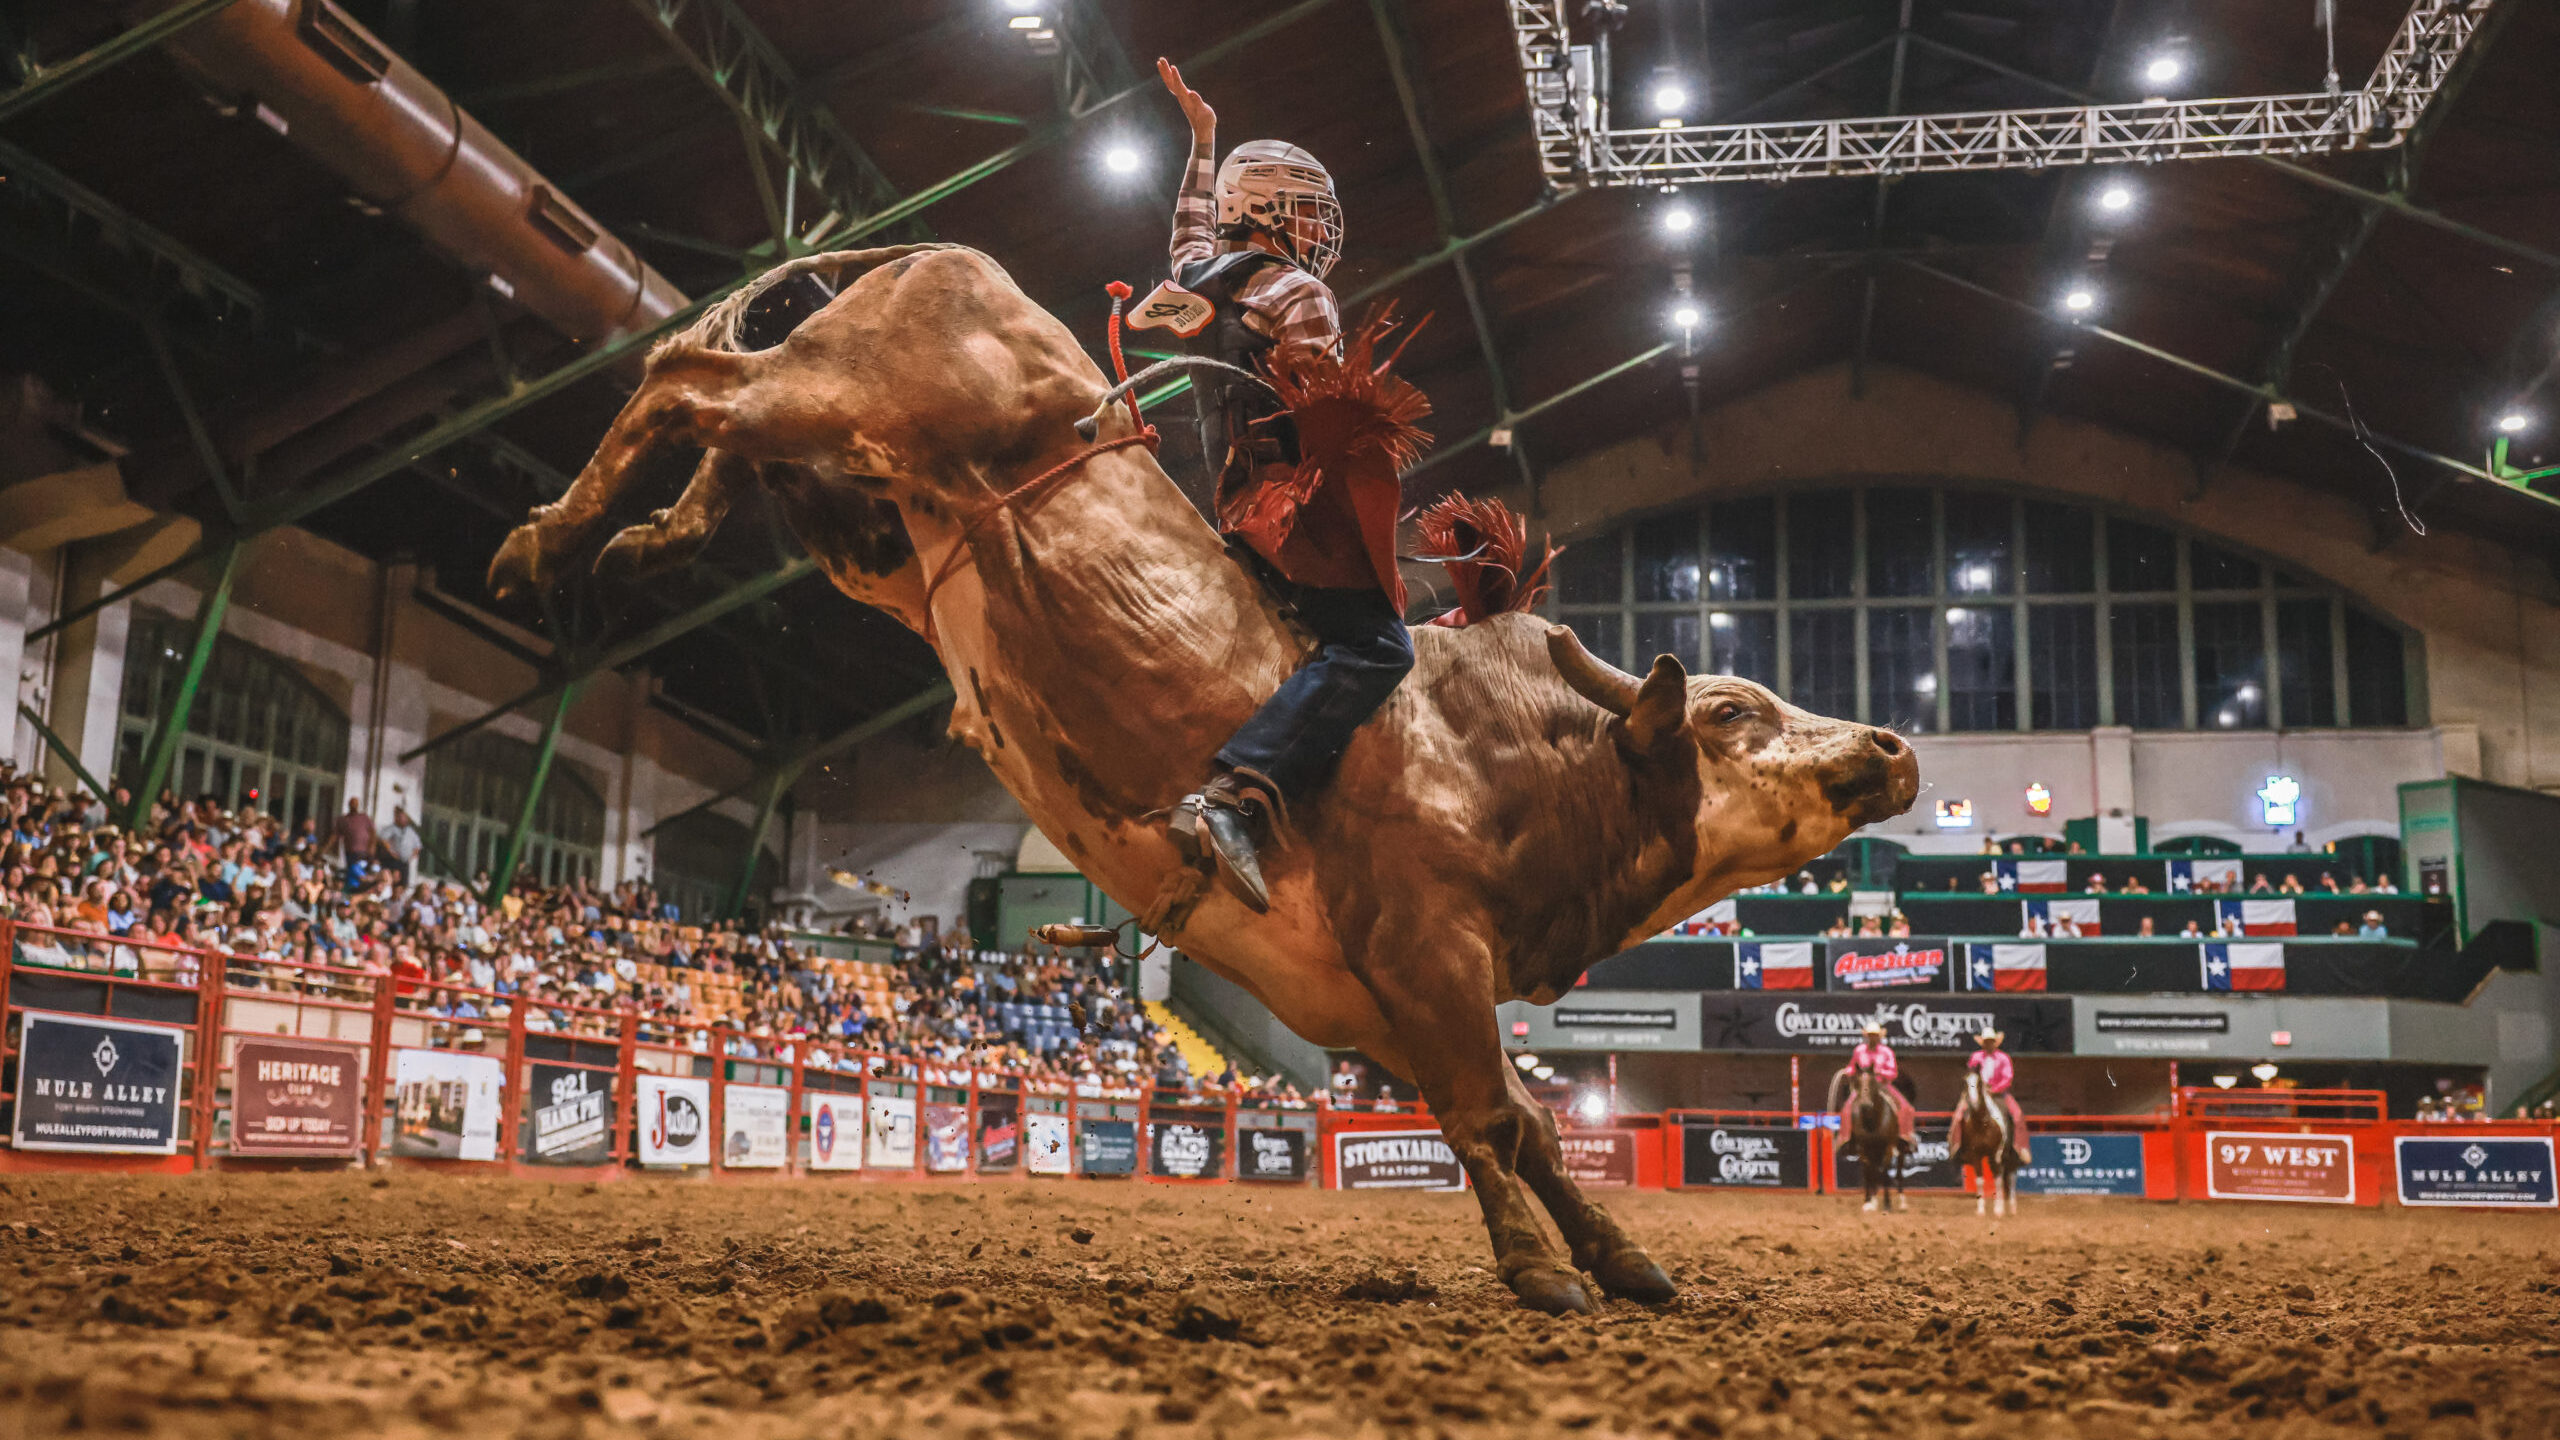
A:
(1119, 292)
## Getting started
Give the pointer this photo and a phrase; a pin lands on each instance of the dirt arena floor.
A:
(413, 1304)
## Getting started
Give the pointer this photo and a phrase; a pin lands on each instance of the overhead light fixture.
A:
(2226, 1081)
(1670, 97)
(1544, 1072)
(1026, 22)
(2163, 69)
(1679, 219)
(2514, 422)
(2265, 1070)
(2116, 198)
(1043, 33)
(1687, 317)
(2080, 301)
(1121, 160)
(1525, 1060)
(1592, 1107)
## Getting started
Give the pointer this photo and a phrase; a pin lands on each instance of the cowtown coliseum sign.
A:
(1831, 1023)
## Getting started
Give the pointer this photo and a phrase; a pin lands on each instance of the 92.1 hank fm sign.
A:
(103, 1086)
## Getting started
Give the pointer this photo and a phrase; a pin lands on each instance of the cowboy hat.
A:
(1989, 1037)
(1873, 1027)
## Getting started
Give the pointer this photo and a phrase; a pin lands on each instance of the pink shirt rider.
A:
(1997, 1072)
(1877, 1057)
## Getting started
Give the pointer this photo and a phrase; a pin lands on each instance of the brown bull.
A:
(1517, 811)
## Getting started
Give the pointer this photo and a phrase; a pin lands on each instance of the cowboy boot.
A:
(1217, 823)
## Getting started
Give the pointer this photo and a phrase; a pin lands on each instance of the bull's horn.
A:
(1592, 678)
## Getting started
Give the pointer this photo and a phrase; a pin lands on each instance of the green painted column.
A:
(173, 722)
(513, 851)
(775, 787)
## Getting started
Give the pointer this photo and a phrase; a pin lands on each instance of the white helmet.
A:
(1276, 188)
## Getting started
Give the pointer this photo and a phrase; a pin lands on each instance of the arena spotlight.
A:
(1593, 1107)
(2514, 422)
(2080, 301)
(1025, 22)
(1687, 317)
(2115, 198)
(1679, 220)
(1670, 103)
(2163, 69)
(1121, 159)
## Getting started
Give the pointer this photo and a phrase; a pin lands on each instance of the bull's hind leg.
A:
(686, 391)
(677, 534)
(1599, 1245)
(1436, 992)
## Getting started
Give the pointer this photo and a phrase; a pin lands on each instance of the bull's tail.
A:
(724, 324)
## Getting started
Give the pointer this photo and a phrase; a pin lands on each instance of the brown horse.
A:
(1873, 1132)
(1979, 1135)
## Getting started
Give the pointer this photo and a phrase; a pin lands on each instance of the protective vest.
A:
(1200, 308)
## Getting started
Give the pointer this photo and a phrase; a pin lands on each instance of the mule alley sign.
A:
(97, 1085)
(2310, 1169)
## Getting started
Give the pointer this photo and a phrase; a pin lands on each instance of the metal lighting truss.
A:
(1577, 146)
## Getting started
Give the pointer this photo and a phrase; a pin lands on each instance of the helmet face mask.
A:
(1272, 188)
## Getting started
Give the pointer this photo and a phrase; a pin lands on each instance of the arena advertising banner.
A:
(1829, 1024)
(1110, 1147)
(103, 1086)
(1045, 1150)
(889, 1140)
(446, 1105)
(1930, 1166)
(295, 1097)
(2099, 1164)
(1600, 1159)
(1751, 1157)
(2306, 1169)
(1596, 1019)
(999, 1132)
(572, 1116)
(675, 1120)
(1878, 964)
(835, 1130)
(2506, 1172)
(2243, 1028)
(1395, 1160)
(1187, 1144)
(756, 1121)
(946, 1138)
(1271, 1155)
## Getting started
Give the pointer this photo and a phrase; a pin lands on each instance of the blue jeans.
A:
(1362, 653)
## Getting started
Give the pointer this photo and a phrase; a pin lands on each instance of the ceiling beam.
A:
(1875, 222)
(51, 80)
(1393, 39)
(796, 761)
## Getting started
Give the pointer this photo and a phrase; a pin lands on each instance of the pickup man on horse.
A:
(1253, 239)
(1873, 1054)
(1998, 1074)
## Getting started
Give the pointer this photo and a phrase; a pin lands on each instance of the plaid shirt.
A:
(1282, 301)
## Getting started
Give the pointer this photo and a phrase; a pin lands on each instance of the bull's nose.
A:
(1888, 742)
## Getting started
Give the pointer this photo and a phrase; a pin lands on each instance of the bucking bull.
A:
(1516, 812)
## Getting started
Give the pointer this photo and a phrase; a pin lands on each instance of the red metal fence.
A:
(284, 1063)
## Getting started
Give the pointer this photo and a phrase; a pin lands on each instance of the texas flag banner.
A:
(2033, 876)
(1721, 918)
(2255, 917)
(2190, 877)
(2004, 967)
(2041, 917)
(1773, 965)
(2243, 967)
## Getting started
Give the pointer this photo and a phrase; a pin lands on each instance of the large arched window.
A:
(474, 792)
(1940, 609)
(259, 732)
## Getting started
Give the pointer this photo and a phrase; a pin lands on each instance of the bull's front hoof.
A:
(631, 555)
(1630, 1274)
(518, 567)
(1553, 1291)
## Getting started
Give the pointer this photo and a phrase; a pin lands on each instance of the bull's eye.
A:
(1729, 712)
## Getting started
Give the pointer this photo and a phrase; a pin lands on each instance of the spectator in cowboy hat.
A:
(2373, 928)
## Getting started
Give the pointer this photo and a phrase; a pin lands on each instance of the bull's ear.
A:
(1660, 716)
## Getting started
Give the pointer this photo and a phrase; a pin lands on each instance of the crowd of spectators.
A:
(334, 911)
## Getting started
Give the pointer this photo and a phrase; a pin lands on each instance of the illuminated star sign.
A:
(2281, 798)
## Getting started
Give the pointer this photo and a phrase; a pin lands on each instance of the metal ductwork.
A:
(306, 68)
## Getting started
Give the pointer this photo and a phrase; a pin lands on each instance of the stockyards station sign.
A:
(97, 1085)
(1940, 1025)
(2507, 1172)
(1395, 1160)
